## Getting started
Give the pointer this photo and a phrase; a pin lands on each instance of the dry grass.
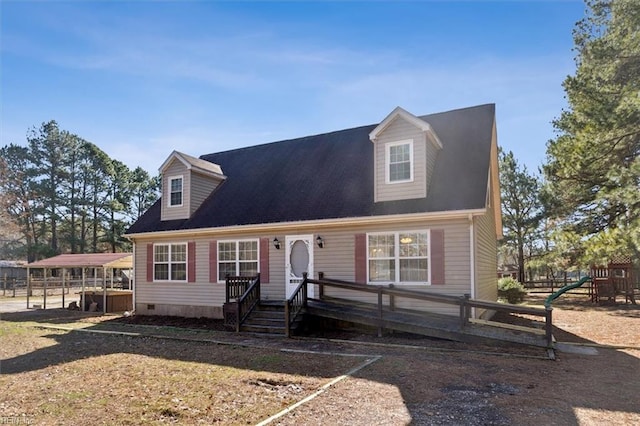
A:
(58, 377)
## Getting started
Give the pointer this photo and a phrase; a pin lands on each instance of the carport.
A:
(99, 285)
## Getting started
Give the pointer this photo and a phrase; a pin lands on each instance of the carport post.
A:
(28, 286)
(104, 290)
(44, 291)
(82, 299)
(64, 272)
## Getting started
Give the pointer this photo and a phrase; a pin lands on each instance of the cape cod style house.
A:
(413, 201)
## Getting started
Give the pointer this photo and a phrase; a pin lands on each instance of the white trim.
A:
(289, 240)
(412, 119)
(472, 260)
(315, 224)
(387, 161)
(169, 262)
(169, 192)
(203, 166)
(396, 257)
(237, 261)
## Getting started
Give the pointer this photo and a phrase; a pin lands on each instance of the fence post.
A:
(392, 299)
(464, 310)
(548, 326)
(321, 286)
(4, 285)
(15, 282)
(380, 312)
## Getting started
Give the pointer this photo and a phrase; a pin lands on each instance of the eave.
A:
(312, 224)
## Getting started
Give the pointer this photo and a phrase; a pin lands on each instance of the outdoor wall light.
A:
(276, 243)
(320, 241)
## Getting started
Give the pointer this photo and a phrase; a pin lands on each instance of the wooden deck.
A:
(425, 323)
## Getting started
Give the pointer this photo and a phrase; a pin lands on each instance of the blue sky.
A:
(140, 79)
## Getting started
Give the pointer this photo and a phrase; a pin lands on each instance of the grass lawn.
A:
(61, 377)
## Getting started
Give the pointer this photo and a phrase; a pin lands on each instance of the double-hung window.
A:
(399, 161)
(237, 258)
(400, 257)
(175, 191)
(170, 262)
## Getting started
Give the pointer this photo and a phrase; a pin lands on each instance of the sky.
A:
(143, 78)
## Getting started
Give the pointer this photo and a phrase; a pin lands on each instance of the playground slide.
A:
(563, 290)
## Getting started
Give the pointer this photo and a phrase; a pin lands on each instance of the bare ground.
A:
(192, 376)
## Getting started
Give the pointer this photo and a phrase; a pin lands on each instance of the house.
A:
(412, 200)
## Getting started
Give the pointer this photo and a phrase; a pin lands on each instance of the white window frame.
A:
(397, 258)
(387, 161)
(170, 179)
(170, 262)
(237, 259)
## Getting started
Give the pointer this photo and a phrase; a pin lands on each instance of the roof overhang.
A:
(399, 112)
(194, 164)
(87, 260)
(313, 224)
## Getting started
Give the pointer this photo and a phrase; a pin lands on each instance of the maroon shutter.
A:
(213, 261)
(149, 262)
(361, 258)
(264, 260)
(437, 256)
(191, 262)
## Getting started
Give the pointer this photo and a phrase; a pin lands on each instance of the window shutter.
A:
(437, 256)
(191, 262)
(213, 261)
(264, 260)
(361, 258)
(150, 262)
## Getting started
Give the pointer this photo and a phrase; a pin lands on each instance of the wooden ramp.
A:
(425, 323)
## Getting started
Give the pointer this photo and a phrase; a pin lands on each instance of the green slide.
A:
(563, 290)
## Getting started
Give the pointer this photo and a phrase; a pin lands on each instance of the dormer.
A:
(186, 182)
(405, 151)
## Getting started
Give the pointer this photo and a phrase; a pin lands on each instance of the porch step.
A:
(268, 318)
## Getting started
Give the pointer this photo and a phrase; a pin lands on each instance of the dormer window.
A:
(399, 161)
(175, 191)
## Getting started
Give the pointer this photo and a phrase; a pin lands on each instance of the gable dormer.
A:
(405, 151)
(186, 182)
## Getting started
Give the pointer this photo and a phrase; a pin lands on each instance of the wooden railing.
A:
(236, 287)
(465, 303)
(295, 304)
(242, 294)
(247, 301)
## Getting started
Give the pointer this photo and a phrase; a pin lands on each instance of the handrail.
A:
(295, 303)
(554, 296)
(247, 301)
(464, 302)
(236, 286)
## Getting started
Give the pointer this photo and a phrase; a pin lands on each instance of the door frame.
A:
(291, 281)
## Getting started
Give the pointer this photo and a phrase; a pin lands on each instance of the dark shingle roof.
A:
(331, 176)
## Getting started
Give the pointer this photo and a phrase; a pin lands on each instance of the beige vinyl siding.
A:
(201, 292)
(486, 248)
(176, 168)
(400, 130)
(201, 187)
(431, 155)
(337, 260)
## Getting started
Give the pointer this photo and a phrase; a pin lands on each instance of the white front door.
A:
(298, 260)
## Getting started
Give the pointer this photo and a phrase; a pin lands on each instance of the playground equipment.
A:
(563, 290)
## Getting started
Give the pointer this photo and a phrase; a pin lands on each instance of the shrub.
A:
(511, 290)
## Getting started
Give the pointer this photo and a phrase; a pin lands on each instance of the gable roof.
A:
(192, 163)
(330, 176)
(415, 121)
